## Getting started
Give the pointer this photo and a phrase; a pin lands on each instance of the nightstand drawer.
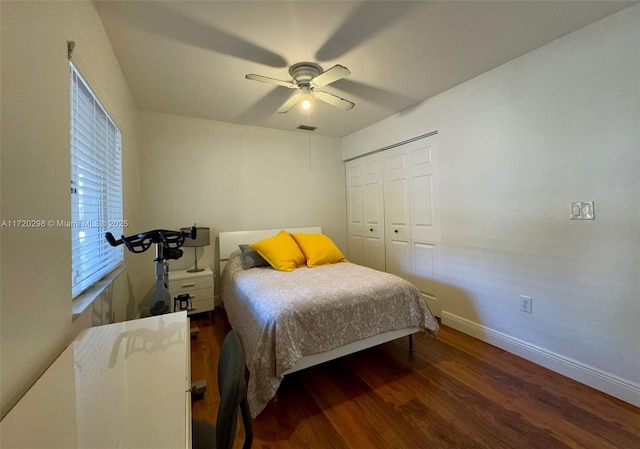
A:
(179, 286)
(197, 295)
(202, 304)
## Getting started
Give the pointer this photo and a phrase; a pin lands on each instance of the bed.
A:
(289, 321)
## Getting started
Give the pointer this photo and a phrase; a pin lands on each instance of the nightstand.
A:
(199, 286)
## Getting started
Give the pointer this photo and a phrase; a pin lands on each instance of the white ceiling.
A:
(191, 58)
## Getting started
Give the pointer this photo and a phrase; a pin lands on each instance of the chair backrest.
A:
(233, 394)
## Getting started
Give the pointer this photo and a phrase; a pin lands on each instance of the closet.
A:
(393, 212)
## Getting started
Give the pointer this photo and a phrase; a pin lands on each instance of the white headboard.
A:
(229, 241)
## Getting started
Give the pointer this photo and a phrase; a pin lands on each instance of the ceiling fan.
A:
(307, 76)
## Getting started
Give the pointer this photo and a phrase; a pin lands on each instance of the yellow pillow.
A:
(318, 249)
(281, 251)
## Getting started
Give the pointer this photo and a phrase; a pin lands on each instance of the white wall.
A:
(517, 145)
(235, 177)
(36, 320)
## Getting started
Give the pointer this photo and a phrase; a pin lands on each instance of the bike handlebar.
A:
(139, 243)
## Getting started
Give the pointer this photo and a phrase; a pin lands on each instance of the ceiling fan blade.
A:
(335, 73)
(266, 79)
(334, 100)
(291, 102)
(365, 22)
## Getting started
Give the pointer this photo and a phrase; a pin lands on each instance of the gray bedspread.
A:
(283, 316)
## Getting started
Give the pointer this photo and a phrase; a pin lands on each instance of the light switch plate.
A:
(582, 210)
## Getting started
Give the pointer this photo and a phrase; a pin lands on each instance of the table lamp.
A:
(202, 239)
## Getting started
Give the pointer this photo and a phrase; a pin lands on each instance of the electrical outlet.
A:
(526, 304)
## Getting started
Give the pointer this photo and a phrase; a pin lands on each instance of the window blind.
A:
(96, 187)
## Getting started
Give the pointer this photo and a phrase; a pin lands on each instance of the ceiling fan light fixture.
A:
(306, 97)
(307, 76)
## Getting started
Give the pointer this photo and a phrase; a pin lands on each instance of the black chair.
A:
(233, 396)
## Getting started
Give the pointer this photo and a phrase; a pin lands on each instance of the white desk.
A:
(123, 385)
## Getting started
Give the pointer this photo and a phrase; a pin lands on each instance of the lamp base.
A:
(195, 268)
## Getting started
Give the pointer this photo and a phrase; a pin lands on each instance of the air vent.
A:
(307, 128)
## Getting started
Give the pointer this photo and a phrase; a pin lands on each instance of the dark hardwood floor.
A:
(453, 392)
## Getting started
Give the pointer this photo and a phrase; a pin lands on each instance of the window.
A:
(96, 188)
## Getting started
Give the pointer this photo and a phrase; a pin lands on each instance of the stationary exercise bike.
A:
(167, 247)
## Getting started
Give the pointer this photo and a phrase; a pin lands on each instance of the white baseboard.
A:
(611, 384)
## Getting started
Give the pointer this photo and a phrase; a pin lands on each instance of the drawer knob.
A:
(187, 285)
